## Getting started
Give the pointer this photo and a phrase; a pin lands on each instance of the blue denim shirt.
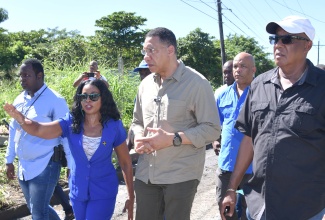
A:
(229, 107)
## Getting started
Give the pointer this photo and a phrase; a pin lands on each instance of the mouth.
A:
(278, 54)
(87, 107)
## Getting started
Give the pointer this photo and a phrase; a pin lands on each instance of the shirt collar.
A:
(177, 75)
(37, 92)
(307, 76)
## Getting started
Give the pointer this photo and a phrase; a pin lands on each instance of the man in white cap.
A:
(143, 70)
(283, 122)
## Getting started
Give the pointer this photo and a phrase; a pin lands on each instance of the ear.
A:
(308, 45)
(171, 50)
(39, 75)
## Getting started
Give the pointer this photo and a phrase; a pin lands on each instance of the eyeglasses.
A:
(286, 39)
(93, 97)
(148, 51)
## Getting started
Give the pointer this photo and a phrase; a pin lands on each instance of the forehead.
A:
(241, 60)
(93, 64)
(26, 68)
(90, 89)
(152, 42)
(227, 66)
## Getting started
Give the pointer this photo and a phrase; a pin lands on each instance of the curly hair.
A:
(108, 109)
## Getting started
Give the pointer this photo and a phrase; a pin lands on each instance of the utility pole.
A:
(222, 43)
(318, 51)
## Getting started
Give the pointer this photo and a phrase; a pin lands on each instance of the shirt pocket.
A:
(303, 119)
(175, 110)
(226, 108)
(260, 113)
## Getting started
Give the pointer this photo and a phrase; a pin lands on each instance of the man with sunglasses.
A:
(174, 118)
(283, 122)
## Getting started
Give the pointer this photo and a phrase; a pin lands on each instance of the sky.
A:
(241, 17)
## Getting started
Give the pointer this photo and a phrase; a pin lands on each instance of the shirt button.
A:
(150, 165)
(88, 165)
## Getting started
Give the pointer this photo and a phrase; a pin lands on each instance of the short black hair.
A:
(165, 35)
(108, 109)
(36, 64)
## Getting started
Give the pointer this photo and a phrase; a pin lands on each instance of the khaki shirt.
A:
(182, 103)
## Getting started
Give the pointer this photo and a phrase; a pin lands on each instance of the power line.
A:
(287, 7)
(244, 23)
(199, 10)
(301, 7)
(225, 17)
(272, 9)
(299, 12)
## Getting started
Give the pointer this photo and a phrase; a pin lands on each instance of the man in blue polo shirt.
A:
(229, 103)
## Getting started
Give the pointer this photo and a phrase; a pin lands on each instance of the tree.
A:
(197, 51)
(121, 36)
(3, 15)
(235, 44)
(5, 53)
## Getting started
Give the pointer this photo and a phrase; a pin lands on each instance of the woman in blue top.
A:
(93, 129)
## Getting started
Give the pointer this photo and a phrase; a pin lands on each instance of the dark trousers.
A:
(164, 201)
(223, 178)
(63, 199)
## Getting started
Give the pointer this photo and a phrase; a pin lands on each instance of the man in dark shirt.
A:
(283, 121)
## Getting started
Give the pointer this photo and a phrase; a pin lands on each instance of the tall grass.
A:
(123, 87)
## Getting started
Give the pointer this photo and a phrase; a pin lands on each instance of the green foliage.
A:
(3, 15)
(235, 44)
(123, 87)
(121, 36)
(198, 52)
(9, 89)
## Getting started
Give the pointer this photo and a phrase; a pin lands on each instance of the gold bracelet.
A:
(230, 190)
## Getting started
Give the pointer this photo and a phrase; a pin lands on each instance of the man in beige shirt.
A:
(175, 117)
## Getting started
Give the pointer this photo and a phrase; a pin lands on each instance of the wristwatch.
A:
(177, 141)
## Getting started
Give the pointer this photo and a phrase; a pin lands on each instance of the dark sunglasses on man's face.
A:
(286, 39)
(93, 96)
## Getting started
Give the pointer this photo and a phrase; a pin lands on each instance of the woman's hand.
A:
(129, 204)
(14, 113)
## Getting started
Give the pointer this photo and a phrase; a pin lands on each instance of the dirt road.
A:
(204, 207)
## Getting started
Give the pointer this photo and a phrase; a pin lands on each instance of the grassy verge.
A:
(123, 87)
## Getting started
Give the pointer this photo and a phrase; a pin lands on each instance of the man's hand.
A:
(142, 147)
(10, 170)
(157, 139)
(216, 147)
(97, 75)
(228, 205)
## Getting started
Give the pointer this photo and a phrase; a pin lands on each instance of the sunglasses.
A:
(286, 39)
(93, 97)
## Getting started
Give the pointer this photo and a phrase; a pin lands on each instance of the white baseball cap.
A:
(294, 25)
